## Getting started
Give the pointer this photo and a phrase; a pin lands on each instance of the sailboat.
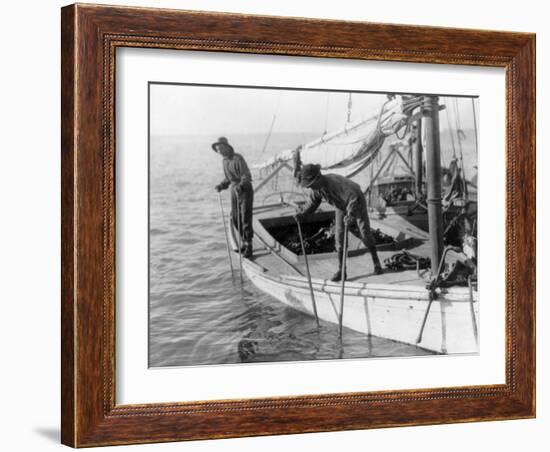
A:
(413, 301)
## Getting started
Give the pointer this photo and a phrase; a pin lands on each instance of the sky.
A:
(177, 110)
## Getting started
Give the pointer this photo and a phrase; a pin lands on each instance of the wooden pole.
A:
(433, 178)
(343, 285)
(379, 171)
(226, 236)
(425, 318)
(308, 272)
(240, 243)
(404, 160)
(272, 175)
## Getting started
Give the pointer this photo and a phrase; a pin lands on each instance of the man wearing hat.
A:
(350, 206)
(237, 175)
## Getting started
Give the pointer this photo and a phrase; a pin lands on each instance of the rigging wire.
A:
(450, 129)
(272, 123)
(475, 124)
(326, 114)
(458, 122)
(459, 135)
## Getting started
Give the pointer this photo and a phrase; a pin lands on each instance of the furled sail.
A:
(353, 147)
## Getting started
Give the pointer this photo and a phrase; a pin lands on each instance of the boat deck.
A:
(359, 268)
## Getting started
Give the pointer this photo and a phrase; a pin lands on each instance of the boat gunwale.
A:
(373, 290)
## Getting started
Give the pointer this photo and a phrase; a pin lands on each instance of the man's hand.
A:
(348, 220)
(299, 215)
(219, 187)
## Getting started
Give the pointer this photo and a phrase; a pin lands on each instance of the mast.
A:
(433, 175)
(417, 153)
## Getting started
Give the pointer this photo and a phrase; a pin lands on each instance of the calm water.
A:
(197, 315)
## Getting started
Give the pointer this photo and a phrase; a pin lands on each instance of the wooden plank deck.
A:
(360, 268)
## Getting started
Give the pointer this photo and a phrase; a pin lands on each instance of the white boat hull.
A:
(383, 310)
(391, 311)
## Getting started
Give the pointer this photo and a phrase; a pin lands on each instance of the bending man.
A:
(237, 175)
(350, 206)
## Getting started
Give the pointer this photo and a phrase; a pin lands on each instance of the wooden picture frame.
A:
(90, 36)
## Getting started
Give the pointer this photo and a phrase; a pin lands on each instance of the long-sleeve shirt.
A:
(236, 171)
(338, 191)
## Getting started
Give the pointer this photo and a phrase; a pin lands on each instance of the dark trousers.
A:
(243, 203)
(361, 218)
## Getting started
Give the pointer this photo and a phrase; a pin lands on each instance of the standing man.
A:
(237, 175)
(348, 199)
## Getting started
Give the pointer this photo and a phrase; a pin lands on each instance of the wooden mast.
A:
(417, 155)
(433, 178)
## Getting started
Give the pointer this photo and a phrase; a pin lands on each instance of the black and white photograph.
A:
(294, 224)
(236, 225)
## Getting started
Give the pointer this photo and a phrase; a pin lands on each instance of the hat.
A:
(310, 173)
(221, 140)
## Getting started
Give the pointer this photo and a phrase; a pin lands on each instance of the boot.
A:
(377, 267)
(338, 275)
(247, 252)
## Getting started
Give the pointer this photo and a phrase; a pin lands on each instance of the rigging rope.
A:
(326, 114)
(404, 260)
(460, 135)
(272, 124)
(409, 104)
(475, 124)
(459, 125)
(450, 130)
(407, 127)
